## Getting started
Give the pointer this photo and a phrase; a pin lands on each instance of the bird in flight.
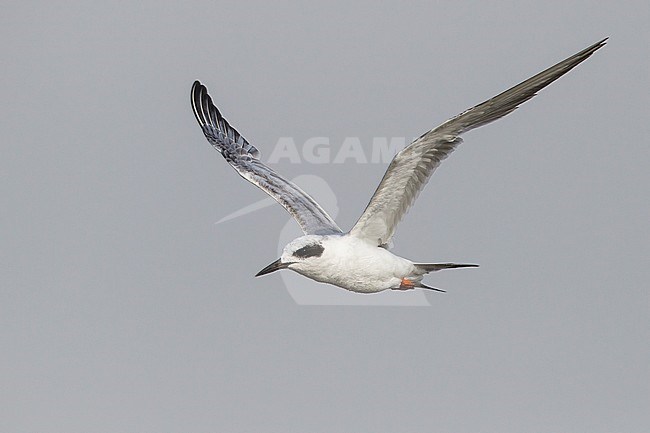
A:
(360, 260)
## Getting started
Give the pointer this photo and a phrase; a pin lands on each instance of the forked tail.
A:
(425, 268)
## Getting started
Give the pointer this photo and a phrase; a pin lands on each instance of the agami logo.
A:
(305, 291)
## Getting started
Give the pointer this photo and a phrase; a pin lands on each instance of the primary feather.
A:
(244, 158)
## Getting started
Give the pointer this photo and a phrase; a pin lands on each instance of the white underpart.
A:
(355, 265)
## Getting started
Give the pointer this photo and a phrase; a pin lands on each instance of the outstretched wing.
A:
(244, 158)
(412, 167)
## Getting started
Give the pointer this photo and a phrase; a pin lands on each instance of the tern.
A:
(360, 260)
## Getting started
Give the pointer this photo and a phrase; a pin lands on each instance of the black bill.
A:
(275, 266)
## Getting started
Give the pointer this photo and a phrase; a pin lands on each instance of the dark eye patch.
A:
(314, 250)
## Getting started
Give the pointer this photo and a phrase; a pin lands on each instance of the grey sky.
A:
(124, 308)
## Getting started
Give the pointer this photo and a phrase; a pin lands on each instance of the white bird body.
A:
(352, 264)
(359, 260)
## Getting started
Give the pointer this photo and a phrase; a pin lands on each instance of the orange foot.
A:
(406, 284)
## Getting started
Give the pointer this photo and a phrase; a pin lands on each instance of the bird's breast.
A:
(360, 267)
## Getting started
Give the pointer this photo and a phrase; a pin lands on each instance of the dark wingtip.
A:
(587, 52)
(195, 85)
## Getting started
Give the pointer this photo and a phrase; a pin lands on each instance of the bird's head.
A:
(299, 255)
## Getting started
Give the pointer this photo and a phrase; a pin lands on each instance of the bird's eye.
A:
(314, 250)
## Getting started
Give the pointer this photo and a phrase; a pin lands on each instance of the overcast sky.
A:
(125, 308)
